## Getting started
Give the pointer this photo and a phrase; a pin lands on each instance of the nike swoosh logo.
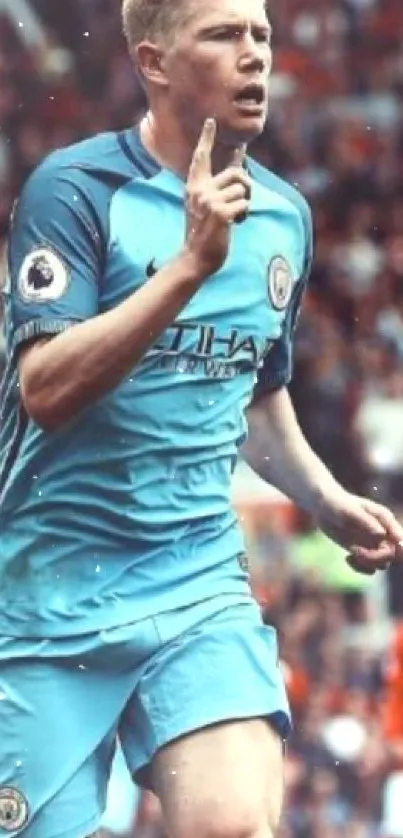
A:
(151, 269)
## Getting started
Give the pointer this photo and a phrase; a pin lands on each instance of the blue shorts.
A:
(64, 702)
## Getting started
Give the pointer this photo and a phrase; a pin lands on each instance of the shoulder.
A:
(93, 166)
(100, 155)
(277, 184)
(67, 198)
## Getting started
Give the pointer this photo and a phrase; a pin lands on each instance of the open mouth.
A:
(251, 96)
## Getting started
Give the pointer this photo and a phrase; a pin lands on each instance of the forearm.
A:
(62, 376)
(277, 450)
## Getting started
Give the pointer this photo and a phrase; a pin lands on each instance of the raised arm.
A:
(85, 360)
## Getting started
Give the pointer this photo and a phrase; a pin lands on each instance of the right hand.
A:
(214, 202)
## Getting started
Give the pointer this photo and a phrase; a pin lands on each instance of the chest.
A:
(252, 290)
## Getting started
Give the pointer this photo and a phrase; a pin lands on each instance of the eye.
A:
(262, 36)
(226, 34)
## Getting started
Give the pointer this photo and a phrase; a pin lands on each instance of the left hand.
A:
(368, 531)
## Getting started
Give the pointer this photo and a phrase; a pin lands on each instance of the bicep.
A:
(54, 261)
(273, 409)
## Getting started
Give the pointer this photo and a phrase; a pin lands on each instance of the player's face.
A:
(220, 66)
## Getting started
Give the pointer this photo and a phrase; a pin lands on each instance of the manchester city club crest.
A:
(13, 809)
(281, 282)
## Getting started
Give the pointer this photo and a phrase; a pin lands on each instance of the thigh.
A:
(216, 672)
(57, 723)
(225, 780)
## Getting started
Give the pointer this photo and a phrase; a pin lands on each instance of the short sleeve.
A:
(54, 255)
(278, 366)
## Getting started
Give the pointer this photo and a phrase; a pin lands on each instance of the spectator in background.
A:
(379, 428)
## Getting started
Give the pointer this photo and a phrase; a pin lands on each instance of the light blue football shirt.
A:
(125, 512)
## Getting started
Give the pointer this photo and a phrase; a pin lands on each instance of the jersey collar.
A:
(263, 199)
(135, 150)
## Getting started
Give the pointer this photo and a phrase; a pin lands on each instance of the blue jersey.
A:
(125, 511)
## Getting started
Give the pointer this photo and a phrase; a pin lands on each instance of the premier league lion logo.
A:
(43, 276)
(40, 274)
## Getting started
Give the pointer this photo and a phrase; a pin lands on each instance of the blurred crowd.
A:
(336, 131)
(343, 681)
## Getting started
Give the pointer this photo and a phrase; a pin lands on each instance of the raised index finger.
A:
(201, 160)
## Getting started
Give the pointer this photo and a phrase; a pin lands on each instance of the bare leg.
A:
(225, 781)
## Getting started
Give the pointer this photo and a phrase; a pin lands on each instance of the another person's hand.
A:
(214, 202)
(368, 531)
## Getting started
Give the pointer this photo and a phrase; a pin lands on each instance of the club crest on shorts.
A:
(43, 276)
(281, 282)
(14, 810)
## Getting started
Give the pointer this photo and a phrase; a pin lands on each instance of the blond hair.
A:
(151, 20)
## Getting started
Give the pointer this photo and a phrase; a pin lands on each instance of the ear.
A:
(149, 60)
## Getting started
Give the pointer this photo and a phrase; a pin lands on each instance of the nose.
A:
(255, 56)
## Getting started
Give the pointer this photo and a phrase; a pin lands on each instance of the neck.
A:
(173, 148)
